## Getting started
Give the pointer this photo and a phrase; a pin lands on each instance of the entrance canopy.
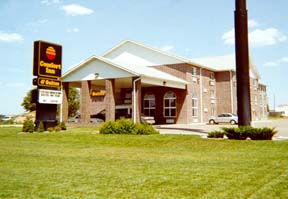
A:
(99, 68)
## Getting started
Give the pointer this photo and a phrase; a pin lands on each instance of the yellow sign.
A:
(48, 82)
(97, 93)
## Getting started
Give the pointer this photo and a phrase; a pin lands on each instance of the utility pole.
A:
(242, 64)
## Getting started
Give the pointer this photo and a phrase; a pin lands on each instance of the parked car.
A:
(6, 118)
(224, 118)
(93, 119)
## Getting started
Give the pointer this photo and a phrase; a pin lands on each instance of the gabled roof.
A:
(143, 55)
(225, 63)
(108, 68)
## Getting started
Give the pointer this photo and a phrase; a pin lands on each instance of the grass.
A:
(80, 163)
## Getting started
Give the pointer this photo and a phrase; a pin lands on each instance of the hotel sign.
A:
(47, 61)
(45, 82)
(49, 96)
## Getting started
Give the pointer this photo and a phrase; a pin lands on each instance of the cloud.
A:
(10, 37)
(73, 30)
(283, 60)
(277, 62)
(76, 10)
(258, 37)
(267, 37)
(50, 2)
(167, 48)
(252, 23)
(270, 64)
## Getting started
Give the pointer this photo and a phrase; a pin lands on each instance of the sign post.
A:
(47, 67)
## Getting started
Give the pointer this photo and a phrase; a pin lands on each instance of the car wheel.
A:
(212, 122)
(232, 122)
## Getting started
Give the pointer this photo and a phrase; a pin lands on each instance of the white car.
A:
(6, 118)
(224, 118)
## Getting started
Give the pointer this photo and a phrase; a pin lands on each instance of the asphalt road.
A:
(281, 126)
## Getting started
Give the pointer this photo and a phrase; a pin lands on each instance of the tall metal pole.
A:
(242, 64)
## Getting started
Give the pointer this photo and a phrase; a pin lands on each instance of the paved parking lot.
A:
(281, 126)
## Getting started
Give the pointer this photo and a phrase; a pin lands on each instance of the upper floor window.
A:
(149, 105)
(194, 105)
(169, 104)
(212, 75)
(194, 71)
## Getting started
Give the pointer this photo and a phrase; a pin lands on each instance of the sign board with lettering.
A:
(46, 82)
(47, 61)
(97, 93)
(49, 96)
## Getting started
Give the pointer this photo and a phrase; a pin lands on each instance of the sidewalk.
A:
(203, 129)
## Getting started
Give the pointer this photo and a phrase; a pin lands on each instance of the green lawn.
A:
(80, 163)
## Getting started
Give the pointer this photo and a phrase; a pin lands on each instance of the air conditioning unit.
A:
(194, 79)
(212, 83)
(205, 90)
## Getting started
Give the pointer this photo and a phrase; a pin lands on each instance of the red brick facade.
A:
(211, 93)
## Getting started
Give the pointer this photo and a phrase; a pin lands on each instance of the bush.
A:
(145, 129)
(216, 134)
(108, 128)
(28, 126)
(57, 128)
(50, 129)
(41, 128)
(63, 126)
(242, 133)
(262, 133)
(125, 126)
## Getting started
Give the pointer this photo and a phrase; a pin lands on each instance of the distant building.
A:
(283, 109)
(147, 81)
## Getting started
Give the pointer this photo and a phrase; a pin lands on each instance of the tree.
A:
(73, 101)
(27, 102)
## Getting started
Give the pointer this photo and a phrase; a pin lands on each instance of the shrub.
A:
(41, 128)
(63, 126)
(57, 128)
(125, 126)
(108, 128)
(28, 126)
(145, 129)
(262, 133)
(216, 134)
(50, 129)
(244, 132)
(240, 133)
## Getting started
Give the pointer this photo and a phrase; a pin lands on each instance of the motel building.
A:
(138, 80)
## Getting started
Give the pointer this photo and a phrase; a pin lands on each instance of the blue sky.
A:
(188, 28)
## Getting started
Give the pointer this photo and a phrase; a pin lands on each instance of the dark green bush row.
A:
(28, 126)
(242, 133)
(125, 126)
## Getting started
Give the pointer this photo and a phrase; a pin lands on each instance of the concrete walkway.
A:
(202, 130)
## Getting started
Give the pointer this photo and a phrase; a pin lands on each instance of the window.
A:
(212, 76)
(194, 71)
(149, 105)
(212, 94)
(194, 105)
(170, 104)
(213, 111)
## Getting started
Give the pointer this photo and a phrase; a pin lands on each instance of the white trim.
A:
(231, 91)
(163, 82)
(201, 95)
(135, 100)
